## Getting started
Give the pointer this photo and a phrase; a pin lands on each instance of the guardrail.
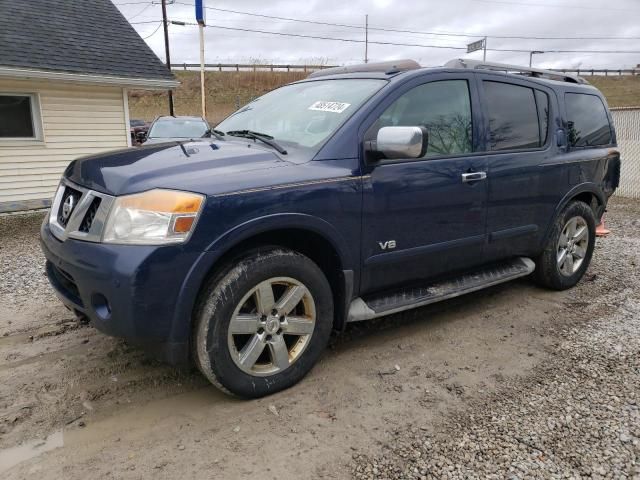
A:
(250, 67)
(310, 68)
(602, 71)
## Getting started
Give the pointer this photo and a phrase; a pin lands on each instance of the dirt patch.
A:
(121, 415)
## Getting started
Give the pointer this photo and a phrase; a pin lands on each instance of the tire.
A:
(250, 343)
(569, 248)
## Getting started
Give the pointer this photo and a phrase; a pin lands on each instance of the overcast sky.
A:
(528, 18)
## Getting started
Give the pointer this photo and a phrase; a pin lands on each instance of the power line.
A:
(145, 21)
(128, 3)
(446, 47)
(548, 5)
(140, 12)
(154, 32)
(387, 29)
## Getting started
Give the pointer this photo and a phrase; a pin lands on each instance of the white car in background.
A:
(181, 128)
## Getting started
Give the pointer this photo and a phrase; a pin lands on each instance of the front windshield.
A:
(303, 114)
(178, 128)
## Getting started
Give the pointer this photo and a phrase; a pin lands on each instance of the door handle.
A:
(473, 177)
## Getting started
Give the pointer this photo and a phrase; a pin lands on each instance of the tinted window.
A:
(588, 122)
(542, 99)
(513, 116)
(15, 117)
(443, 108)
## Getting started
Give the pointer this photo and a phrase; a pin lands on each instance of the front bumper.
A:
(127, 291)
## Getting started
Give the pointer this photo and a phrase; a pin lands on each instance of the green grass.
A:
(621, 91)
(226, 90)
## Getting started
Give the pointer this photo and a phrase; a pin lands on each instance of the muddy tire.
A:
(262, 323)
(569, 248)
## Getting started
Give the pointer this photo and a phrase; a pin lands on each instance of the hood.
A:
(203, 167)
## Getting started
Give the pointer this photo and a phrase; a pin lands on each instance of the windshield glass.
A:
(178, 128)
(305, 114)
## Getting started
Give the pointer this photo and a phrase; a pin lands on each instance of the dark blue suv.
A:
(350, 195)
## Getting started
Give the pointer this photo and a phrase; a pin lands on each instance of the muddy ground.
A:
(75, 404)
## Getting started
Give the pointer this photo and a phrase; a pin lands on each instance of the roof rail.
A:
(507, 68)
(389, 68)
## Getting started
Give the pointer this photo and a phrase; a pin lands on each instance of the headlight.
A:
(153, 218)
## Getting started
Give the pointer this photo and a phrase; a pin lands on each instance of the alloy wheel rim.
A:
(572, 246)
(271, 326)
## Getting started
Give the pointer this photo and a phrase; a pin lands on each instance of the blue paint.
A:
(440, 224)
(201, 12)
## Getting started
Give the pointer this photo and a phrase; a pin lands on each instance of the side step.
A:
(418, 296)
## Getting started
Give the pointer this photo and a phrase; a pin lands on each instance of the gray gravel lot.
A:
(21, 266)
(511, 382)
(577, 415)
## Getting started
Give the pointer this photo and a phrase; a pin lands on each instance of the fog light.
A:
(101, 306)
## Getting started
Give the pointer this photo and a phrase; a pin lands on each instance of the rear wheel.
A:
(262, 325)
(569, 248)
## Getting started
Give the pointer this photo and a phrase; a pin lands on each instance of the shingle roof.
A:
(75, 36)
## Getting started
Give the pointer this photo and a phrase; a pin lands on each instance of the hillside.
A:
(228, 90)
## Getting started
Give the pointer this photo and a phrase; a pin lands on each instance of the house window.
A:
(19, 117)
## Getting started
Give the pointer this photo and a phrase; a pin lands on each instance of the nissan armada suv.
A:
(357, 193)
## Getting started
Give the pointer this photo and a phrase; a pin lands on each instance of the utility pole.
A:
(166, 49)
(202, 90)
(484, 55)
(366, 39)
(531, 54)
(201, 17)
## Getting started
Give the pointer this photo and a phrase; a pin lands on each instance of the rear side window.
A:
(587, 120)
(513, 116)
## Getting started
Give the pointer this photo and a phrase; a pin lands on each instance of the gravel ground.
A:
(22, 278)
(511, 382)
(577, 415)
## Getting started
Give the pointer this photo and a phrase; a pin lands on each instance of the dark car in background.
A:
(177, 128)
(138, 129)
(357, 193)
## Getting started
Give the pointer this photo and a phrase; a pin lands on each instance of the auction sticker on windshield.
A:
(335, 107)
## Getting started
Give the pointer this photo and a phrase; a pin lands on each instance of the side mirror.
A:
(401, 142)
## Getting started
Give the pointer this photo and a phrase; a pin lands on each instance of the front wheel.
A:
(263, 323)
(569, 248)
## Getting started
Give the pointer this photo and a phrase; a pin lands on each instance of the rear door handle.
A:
(473, 177)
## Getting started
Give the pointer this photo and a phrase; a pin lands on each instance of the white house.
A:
(65, 67)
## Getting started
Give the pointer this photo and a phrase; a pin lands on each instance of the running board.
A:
(413, 297)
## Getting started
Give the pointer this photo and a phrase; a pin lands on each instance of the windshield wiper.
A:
(263, 137)
(215, 133)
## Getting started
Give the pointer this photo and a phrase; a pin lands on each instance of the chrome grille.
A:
(85, 226)
(83, 217)
(70, 199)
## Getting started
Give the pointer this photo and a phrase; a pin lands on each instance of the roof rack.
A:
(389, 68)
(517, 69)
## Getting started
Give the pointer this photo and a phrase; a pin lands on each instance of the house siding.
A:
(77, 120)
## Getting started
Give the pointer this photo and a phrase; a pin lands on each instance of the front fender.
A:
(223, 243)
(280, 221)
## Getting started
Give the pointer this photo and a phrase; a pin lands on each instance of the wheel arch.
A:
(588, 193)
(311, 236)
